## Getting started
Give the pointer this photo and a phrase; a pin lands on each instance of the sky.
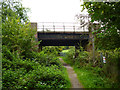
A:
(53, 10)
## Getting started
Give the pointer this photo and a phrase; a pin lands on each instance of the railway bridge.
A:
(61, 34)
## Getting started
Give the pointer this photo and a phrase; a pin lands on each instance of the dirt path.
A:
(72, 75)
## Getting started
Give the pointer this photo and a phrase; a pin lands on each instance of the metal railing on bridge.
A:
(61, 27)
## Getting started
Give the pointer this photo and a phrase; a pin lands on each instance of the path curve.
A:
(72, 75)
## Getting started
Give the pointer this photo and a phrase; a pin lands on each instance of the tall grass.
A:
(96, 74)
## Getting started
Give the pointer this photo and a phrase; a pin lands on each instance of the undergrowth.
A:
(42, 71)
(25, 68)
(98, 74)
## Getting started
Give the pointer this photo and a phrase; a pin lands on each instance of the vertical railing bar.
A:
(43, 27)
(53, 27)
(64, 27)
(74, 28)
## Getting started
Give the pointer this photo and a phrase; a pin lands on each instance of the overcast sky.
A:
(53, 10)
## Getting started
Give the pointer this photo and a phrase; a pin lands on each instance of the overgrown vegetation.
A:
(55, 50)
(22, 66)
(108, 16)
(41, 72)
(96, 74)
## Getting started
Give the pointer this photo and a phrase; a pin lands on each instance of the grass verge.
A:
(68, 85)
(88, 78)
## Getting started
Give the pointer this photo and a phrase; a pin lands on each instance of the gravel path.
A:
(72, 75)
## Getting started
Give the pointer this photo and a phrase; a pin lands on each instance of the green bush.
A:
(112, 66)
(33, 76)
(17, 36)
(80, 60)
(108, 73)
(22, 67)
(55, 50)
(46, 59)
(42, 71)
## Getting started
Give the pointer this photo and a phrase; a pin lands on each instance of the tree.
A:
(13, 8)
(108, 15)
(17, 34)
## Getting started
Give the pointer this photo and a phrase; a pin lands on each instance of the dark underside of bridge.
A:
(63, 39)
(63, 42)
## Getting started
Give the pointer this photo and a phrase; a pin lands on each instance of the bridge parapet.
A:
(61, 27)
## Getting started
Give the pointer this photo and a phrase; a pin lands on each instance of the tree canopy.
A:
(108, 16)
(17, 35)
(14, 8)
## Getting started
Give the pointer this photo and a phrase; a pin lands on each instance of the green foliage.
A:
(13, 8)
(112, 67)
(92, 80)
(81, 59)
(40, 77)
(22, 66)
(103, 10)
(55, 50)
(96, 74)
(33, 74)
(108, 15)
(45, 59)
(18, 37)
(70, 55)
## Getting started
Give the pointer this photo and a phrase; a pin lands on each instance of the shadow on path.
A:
(72, 75)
